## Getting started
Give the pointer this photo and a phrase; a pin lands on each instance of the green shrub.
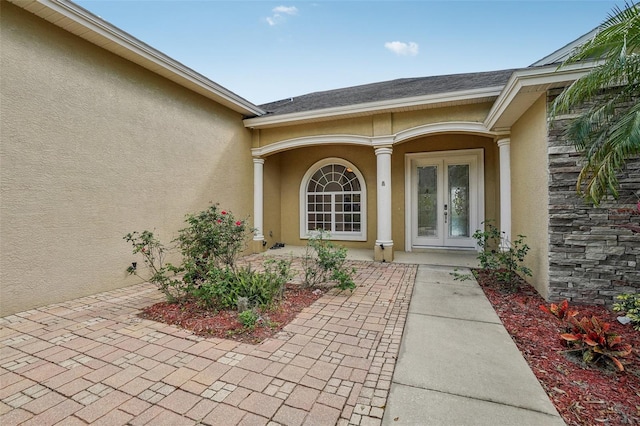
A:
(630, 305)
(502, 259)
(248, 319)
(162, 274)
(324, 261)
(223, 286)
(214, 238)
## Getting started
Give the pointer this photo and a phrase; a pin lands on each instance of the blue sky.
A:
(271, 50)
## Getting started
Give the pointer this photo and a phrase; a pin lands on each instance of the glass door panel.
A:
(458, 194)
(427, 201)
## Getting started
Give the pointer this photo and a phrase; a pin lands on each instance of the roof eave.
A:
(77, 20)
(525, 87)
(418, 102)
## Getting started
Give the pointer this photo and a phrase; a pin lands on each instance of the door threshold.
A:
(427, 249)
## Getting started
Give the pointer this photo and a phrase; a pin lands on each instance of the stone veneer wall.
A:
(591, 258)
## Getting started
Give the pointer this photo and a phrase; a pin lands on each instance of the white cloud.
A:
(280, 14)
(287, 10)
(402, 49)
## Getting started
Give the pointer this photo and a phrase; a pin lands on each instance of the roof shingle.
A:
(388, 90)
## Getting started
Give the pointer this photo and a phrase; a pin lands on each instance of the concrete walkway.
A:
(458, 365)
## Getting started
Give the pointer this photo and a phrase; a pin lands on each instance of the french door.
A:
(445, 199)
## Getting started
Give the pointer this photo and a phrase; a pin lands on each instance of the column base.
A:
(383, 251)
(258, 245)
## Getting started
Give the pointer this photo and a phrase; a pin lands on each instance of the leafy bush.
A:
(324, 261)
(630, 305)
(498, 256)
(214, 238)
(248, 319)
(503, 259)
(210, 246)
(153, 254)
(589, 336)
(223, 287)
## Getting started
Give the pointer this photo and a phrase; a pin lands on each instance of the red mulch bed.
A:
(583, 394)
(224, 324)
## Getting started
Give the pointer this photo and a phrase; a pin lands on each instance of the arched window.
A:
(333, 198)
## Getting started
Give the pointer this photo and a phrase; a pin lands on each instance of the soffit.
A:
(84, 24)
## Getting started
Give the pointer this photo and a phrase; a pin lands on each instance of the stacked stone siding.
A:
(592, 255)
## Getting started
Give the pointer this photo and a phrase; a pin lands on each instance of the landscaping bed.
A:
(226, 324)
(583, 394)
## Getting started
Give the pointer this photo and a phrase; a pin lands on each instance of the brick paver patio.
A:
(92, 360)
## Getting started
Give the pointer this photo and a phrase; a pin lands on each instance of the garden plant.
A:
(502, 260)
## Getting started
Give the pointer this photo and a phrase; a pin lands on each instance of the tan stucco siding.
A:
(272, 200)
(94, 147)
(529, 190)
(362, 126)
(410, 119)
(295, 163)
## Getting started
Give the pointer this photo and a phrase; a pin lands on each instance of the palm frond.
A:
(607, 132)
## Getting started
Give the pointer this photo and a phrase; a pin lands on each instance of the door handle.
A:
(445, 213)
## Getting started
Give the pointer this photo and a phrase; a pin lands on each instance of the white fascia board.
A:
(370, 107)
(540, 79)
(140, 49)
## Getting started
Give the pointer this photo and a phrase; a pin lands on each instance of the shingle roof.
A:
(388, 90)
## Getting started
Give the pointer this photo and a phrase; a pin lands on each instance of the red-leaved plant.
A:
(561, 311)
(593, 338)
(589, 336)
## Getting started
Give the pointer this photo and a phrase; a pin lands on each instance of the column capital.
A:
(382, 141)
(386, 149)
(504, 141)
(257, 160)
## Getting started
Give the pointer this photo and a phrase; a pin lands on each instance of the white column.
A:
(258, 198)
(383, 159)
(505, 189)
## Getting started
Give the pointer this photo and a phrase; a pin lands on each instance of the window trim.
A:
(337, 236)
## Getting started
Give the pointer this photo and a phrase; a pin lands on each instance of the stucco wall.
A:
(529, 194)
(94, 147)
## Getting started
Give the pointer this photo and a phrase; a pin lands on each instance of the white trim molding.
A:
(466, 127)
(458, 127)
(306, 141)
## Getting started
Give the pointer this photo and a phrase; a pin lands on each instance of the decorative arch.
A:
(306, 141)
(459, 127)
(333, 197)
